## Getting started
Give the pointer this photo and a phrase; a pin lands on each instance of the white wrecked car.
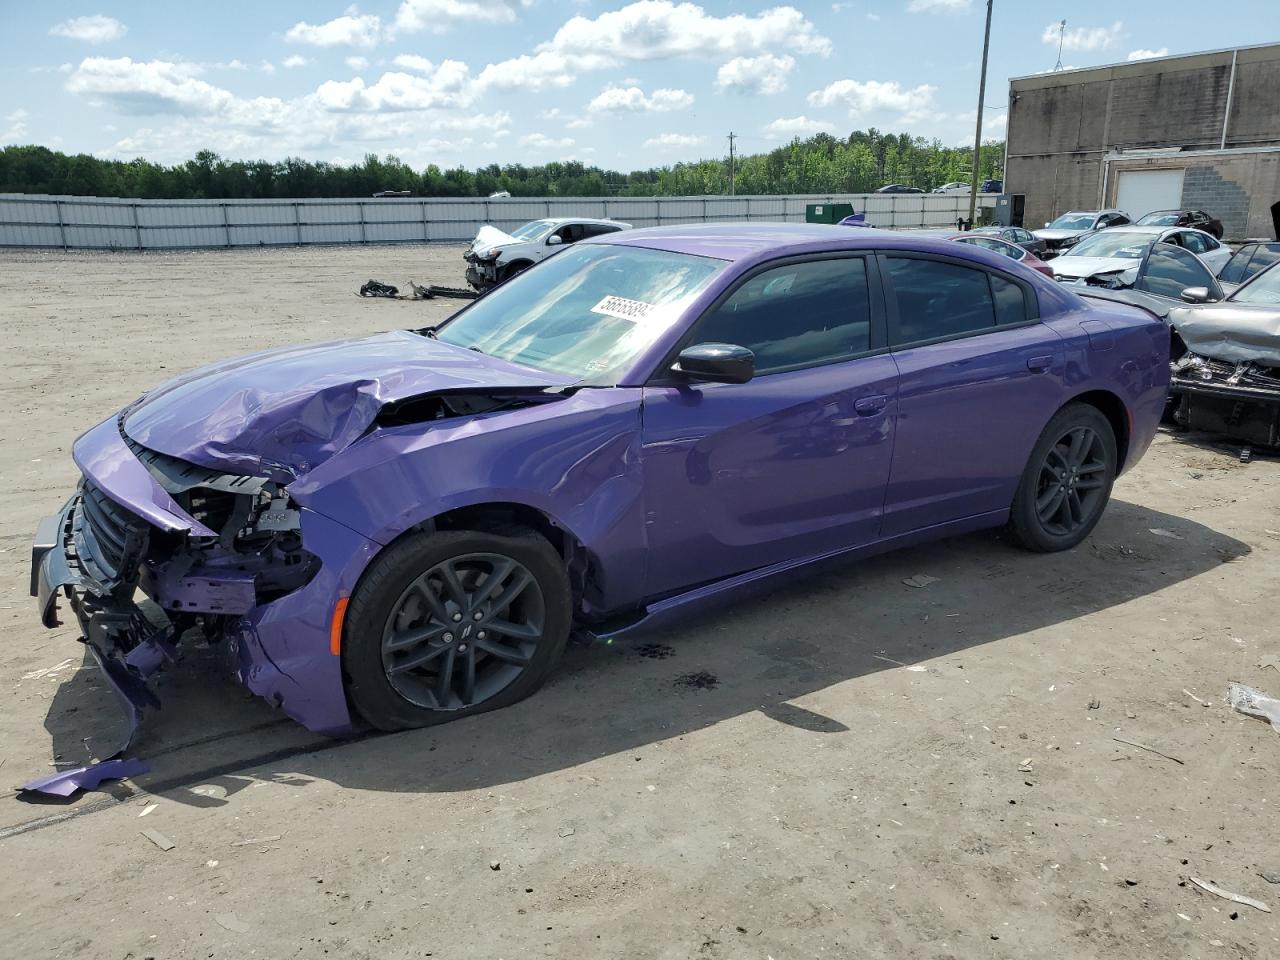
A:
(495, 256)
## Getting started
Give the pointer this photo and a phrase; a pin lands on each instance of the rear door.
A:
(979, 377)
(792, 463)
(1168, 270)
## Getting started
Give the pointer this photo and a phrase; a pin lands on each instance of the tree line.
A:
(859, 163)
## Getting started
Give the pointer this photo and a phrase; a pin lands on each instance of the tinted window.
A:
(990, 243)
(598, 229)
(938, 299)
(1196, 243)
(796, 315)
(1170, 270)
(1264, 256)
(1011, 307)
(1237, 268)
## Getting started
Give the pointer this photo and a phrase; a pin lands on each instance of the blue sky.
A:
(623, 85)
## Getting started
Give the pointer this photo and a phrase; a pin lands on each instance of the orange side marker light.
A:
(335, 628)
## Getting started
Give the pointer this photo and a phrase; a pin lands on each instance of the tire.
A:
(1033, 523)
(406, 627)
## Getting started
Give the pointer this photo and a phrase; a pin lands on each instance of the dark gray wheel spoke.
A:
(406, 639)
(1079, 445)
(457, 592)
(1096, 483)
(492, 583)
(469, 677)
(517, 631)
(512, 590)
(445, 678)
(1091, 468)
(423, 589)
(416, 660)
(508, 654)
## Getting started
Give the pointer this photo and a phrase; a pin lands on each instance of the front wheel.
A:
(452, 623)
(1067, 481)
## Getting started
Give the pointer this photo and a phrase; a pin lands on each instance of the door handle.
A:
(1039, 364)
(870, 406)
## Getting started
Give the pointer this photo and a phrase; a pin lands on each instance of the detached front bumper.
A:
(1238, 400)
(134, 586)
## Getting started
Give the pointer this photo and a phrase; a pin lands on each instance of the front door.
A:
(790, 464)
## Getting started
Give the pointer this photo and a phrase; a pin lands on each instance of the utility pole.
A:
(1062, 35)
(977, 133)
(732, 137)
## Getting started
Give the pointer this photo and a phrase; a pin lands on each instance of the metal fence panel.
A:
(103, 222)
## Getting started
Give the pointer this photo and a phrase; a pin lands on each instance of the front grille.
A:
(109, 540)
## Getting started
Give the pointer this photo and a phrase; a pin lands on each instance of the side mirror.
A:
(1046, 224)
(716, 363)
(555, 240)
(1196, 295)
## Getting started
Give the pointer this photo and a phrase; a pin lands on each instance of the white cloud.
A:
(784, 128)
(633, 100)
(354, 29)
(293, 61)
(94, 29)
(1084, 38)
(947, 6)
(873, 95)
(441, 15)
(540, 141)
(411, 61)
(357, 63)
(267, 67)
(671, 140)
(764, 74)
(447, 86)
(1147, 54)
(538, 72)
(148, 87)
(15, 128)
(661, 29)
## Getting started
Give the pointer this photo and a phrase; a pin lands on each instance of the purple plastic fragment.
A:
(67, 782)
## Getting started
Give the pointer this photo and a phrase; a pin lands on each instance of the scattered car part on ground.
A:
(1072, 227)
(1112, 257)
(412, 522)
(1182, 218)
(496, 256)
(376, 288)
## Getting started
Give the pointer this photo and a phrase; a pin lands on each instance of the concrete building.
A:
(1200, 131)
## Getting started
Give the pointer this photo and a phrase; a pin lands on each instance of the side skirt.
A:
(671, 610)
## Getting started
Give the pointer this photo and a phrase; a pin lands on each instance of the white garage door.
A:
(1141, 191)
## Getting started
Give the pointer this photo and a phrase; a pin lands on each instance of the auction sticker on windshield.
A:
(623, 308)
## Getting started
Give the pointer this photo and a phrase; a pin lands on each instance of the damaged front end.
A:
(1236, 398)
(152, 550)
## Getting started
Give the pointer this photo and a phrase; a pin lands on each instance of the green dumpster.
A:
(827, 212)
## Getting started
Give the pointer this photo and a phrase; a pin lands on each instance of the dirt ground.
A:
(851, 768)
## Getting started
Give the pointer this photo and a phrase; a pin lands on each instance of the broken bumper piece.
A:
(1240, 400)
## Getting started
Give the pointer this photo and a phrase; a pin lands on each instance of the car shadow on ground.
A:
(850, 621)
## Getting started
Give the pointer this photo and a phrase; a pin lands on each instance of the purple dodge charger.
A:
(408, 526)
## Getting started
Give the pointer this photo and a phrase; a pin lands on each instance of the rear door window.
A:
(1265, 254)
(937, 300)
(1170, 270)
(1237, 268)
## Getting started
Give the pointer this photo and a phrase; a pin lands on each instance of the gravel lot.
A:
(855, 768)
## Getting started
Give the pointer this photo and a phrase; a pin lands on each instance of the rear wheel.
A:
(1067, 481)
(453, 623)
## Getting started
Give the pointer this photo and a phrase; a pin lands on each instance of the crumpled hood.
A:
(1231, 332)
(1069, 266)
(489, 237)
(283, 412)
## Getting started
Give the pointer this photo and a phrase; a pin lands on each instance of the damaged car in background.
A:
(1228, 379)
(405, 528)
(496, 256)
(1073, 226)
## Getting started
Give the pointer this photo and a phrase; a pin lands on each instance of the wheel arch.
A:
(1113, 408)
(505, 517)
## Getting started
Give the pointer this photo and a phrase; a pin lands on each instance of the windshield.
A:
(1161, 218)
(1073, 221)
(1263, 290)
(1113, 243)
(531, 231)
(584, 312)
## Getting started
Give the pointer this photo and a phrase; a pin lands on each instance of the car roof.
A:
(746, 241)
(572, 220)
